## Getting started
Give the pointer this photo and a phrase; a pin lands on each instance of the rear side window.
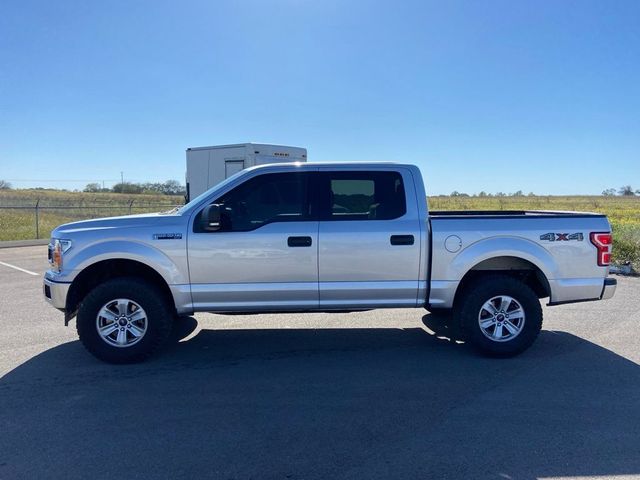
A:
(362, 196)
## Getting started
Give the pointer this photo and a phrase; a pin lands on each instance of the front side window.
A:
(268, 198)
(362, 196)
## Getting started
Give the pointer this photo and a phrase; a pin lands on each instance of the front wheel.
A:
(124, 320)
(500, 315)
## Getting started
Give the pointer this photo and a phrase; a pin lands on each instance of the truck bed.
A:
(443, 214)
(557, 243)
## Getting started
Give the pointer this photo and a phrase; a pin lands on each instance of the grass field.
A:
(61, 198)
(57, 207)
(623, 212)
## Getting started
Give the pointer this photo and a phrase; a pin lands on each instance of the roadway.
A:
(381, 394)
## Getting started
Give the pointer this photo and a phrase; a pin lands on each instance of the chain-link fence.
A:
(26, 222)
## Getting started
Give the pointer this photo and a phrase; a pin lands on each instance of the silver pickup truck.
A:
(323, 237)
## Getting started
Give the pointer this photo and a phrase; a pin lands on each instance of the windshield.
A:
(204, 195)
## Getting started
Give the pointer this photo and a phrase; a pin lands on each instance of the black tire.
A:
(444, 313)
(159, 315)
(474, 297)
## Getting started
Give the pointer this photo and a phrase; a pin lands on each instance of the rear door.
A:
(369, 239)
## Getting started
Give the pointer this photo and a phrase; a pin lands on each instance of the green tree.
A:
(150, 187)
(173, 187)
(127, 187)
(4, 185)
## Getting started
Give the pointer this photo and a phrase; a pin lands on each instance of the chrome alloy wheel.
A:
(501, 318)
(121, 323)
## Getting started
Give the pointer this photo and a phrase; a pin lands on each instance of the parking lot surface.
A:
(378, 394)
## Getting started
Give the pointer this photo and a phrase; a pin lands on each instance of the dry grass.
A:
(20, 224)
(619, 210)
(60, 198)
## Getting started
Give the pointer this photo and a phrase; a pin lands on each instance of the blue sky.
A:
(539, 96)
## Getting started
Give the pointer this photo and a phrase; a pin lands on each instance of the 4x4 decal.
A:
(562, 237)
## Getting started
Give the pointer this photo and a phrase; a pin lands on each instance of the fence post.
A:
(130, 205)
(37, 222)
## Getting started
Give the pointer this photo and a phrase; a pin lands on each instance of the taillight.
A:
(603, 242)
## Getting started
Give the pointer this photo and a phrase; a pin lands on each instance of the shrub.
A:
(626, 245)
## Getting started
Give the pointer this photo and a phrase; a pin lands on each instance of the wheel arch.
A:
(103, 270)
(514, 266)
(510, 255)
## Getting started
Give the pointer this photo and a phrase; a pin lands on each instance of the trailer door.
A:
(232, 167)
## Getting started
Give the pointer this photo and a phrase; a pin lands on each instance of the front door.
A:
(265, 257)
(369, 239)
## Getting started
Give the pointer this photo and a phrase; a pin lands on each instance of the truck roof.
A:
(354, 165)
(336, 165)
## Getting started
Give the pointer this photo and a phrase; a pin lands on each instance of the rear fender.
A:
(501, 247)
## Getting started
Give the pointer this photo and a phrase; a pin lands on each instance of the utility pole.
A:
(121, 177)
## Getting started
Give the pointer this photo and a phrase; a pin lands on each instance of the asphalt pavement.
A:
(380, 394)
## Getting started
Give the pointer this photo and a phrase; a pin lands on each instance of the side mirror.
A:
(211, 218)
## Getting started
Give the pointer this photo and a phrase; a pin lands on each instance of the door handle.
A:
(402, 239)
(299, 241)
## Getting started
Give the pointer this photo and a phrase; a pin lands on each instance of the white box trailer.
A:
(208, 166)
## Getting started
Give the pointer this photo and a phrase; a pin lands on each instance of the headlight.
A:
(57, 250)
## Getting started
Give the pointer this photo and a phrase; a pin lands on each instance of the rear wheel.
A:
(124, 320)
(500, 315)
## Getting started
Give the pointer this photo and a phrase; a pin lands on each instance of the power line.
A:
(91, 180)
(57, 180)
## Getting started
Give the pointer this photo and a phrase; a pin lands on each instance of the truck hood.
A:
(111, 223)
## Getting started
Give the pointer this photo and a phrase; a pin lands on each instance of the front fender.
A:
(171, 266)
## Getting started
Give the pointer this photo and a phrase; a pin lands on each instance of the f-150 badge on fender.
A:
(167, 236)
(562, 237)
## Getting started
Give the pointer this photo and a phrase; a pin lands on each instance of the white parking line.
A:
(18, 268)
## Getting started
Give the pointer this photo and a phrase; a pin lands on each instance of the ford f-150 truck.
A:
(323, 237)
